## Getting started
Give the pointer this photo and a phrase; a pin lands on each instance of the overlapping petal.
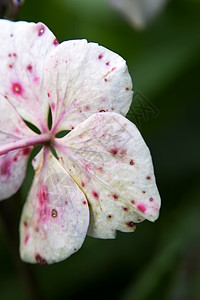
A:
(13, 164)
(24, 47)
(84, 78)
(111, 163)
(55, 217)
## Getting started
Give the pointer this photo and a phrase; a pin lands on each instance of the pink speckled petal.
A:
(12, 165)
(108, 158)
(24, 48)
(88, 78)
(55, 217)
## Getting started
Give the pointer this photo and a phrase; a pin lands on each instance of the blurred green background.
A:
(161, 260)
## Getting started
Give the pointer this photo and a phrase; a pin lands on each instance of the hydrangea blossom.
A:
(101, 178)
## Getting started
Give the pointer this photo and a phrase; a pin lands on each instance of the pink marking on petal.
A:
(43, 194)
(141, 208)
(95, 194)
(115, 196)
(130, 224)
(133, 201)
(107, 63)
(26, 151)
(87, 107)
(15, 159)
(26, 239)
(49, 95)
(84, 202)
(55, 42)
(5, 168)
(113, 151)
(17, 88)
(100, 56)
(151, 199)
(14, 54)
(127, 89)
(10, 66)
(53, 106)
(148, 177)
(36, 79)
(25, 224)
(29, 68)
(125, 208)
(9, 54)
(83, 184)
(40, 260)
(41, 30)
(131, 162)
(123, 152)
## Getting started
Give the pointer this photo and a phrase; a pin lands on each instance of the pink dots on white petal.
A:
(40, 260)
(130, 224)
(53, 106)
(100, 56)
(115, 197)
(141, 208)
(43, 194)
(113, 151)
(17, 88)
(55, 42)
(26, 239)
(26, 151)
(41, 30)
(5, 168)
(83, 184)
(29, 67)
(95, 194)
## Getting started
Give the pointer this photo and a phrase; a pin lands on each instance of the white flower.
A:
(101, 178)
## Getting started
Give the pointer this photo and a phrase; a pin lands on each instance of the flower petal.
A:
(110, 161)
(13, 164)
(24, 47)
(55, 217)
(89, 78)
(138, 12)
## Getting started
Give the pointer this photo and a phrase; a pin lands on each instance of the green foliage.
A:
(161, 260)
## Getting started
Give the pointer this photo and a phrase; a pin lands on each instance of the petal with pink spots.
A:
(55, 217)
(13, 164)
(24, 48)
(88, 78)
(111, 163)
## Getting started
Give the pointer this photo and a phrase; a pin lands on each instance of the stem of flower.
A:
(40, 139)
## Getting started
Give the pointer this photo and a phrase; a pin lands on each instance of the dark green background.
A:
(161, 260)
